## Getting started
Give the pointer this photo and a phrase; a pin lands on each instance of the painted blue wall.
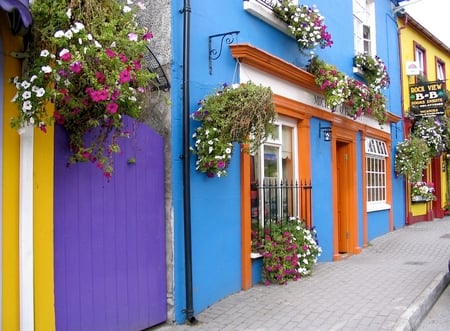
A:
(215, 203)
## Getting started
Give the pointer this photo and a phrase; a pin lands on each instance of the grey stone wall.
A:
(157, 18)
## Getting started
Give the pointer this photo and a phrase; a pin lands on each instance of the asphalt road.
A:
(438, 319)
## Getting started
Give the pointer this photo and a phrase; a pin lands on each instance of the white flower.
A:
(26, 95)
(40, 92)
(59, 34)
(69, 13)
(210, 149)
(228, 150)
(68, 34)
(31, 120)
(25, 84)
(63, 51)
(89, 36)
(126, 9)
(46, 69)
(45, 53)
(26, 106)
(97, 44)
(33, 78)
(78, 26)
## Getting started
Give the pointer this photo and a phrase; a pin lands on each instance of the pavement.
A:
(390, 285)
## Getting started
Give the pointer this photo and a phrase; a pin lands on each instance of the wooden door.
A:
(110, 267)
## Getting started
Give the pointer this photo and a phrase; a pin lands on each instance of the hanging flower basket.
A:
(242, 113)
(373, 70)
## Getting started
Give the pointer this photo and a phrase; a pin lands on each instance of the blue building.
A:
(344, 167)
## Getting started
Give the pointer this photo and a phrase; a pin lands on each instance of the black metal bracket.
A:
(214, 54)
(160, 82)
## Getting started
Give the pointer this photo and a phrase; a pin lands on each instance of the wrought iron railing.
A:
(275, 201)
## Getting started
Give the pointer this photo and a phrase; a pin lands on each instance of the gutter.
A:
(186, 165)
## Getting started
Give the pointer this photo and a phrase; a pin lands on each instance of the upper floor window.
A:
(364, 26)
(420, 59)
(440, 69)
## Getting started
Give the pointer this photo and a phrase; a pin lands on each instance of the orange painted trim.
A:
(364, 192)
(246, 234)
(266, 62)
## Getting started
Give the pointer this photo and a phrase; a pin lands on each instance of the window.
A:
(419, 57)
(440, 69)
(275, 187)
(376, 155)
(364, 26)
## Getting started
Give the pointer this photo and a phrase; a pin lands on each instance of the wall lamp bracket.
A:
(214, 53)
(326, 132)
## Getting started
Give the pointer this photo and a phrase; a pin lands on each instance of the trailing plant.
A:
(242, 113)
(86, 57)
(432, 131)
(289, 251)
(339, 89)
(373, 69)
(411, 158)
(305, 23)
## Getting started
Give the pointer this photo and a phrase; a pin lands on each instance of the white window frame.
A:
(376, 170)
(364, 27)
(419, 56)
(440, 70)
(278, 142)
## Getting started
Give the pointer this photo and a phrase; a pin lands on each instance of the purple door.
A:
(110, 269)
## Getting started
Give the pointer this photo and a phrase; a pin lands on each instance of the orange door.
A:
(343, 180)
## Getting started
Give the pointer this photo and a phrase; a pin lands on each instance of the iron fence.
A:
(275, 201)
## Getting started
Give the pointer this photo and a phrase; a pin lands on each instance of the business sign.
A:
(427, 99)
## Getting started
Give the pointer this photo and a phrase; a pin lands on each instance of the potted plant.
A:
(242, 113)
(373, 70)
(339, 89)
(433, 131)
(422, 191)
(289, 250)
(86, 57)
(305, 23)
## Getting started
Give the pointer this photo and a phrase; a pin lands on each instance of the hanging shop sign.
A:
(427, 99)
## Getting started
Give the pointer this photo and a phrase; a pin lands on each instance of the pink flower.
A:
(112, 107)
(66, 56)
(75, 67)
(100, 77)
(43, 127)
(123, 58)
(132, 36)
(110, 53)
(137, 64)
(124, 76)
(147, 36)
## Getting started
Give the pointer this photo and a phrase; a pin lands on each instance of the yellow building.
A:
(26, 196)
(425, 66)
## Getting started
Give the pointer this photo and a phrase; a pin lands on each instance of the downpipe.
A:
(186, 164)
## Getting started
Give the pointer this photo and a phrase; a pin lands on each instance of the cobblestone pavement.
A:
(390, 285)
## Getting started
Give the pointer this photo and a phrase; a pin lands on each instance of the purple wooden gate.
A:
(110, 271)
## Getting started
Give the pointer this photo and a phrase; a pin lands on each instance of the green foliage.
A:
(305, 23)
(341, 90)
(411, 158)
(289, 250)
(86, 57)
(242, 113)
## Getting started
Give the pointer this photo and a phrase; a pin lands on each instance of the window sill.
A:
(255, 255)
(265, 14)
(377, 207)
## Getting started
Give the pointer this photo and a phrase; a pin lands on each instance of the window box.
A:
(262, 10)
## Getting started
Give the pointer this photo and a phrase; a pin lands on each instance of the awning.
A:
(21, 6)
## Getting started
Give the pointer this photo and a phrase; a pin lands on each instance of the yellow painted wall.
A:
(43, 206)
(10, 194)
(410, 34)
